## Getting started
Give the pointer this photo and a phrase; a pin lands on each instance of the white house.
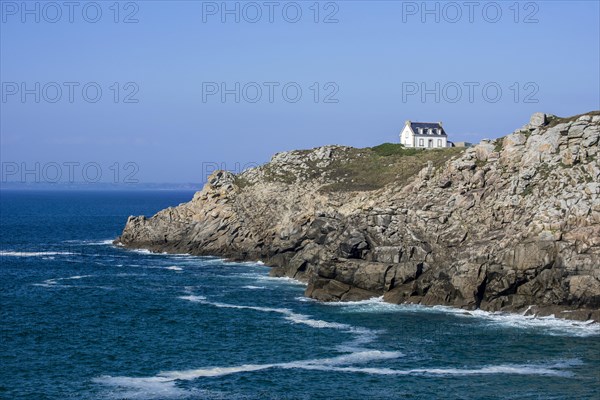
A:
(427, 135)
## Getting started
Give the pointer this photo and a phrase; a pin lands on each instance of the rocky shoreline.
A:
(507, 225)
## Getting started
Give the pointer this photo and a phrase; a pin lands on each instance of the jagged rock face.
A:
(511, 224)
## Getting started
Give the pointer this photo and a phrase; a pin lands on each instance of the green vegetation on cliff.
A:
(375, 167)
(346, 169)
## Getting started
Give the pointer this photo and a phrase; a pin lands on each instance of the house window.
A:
(430, 131)
(439, 142)
(421, 142)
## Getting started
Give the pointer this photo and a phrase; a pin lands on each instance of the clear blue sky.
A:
(375, 56)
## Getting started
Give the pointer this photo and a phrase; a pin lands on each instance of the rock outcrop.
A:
(511, 224)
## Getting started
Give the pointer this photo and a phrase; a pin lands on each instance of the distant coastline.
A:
(100, 186)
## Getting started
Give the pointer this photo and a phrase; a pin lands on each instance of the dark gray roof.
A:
(426, 126)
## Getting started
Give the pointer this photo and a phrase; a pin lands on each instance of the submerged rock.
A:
(511, 224)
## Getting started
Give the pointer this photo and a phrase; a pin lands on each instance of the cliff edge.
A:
(511, 224)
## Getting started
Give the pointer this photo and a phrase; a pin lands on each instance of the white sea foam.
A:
(246, 263)
(304, 299)
(432, 372)
(164, 383)
(48, 283)
(283, 279)
(78, 277)
(55, 281)
(251, 287)
(195, 299)
(154, 253)
(34, 253)
(213, 372)
(271, 279)
(358, 357)
(314, 323)
(143, 388)
(361, 336)
(142, 251)
(289, 315)
(174, 268)
(549, 325)
(373, 301)
(355, 358)
(164, 253)
(101, 242)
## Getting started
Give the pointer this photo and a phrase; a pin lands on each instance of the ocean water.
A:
(83, 319)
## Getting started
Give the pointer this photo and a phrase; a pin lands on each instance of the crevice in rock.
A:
(480, 292)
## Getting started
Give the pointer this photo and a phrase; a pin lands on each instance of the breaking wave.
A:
(163, 385)
(55, 281)
(34, 253)
(549, 325)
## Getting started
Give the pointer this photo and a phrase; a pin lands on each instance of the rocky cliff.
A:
(510, 224)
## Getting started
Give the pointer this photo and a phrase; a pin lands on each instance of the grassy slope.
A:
(365, 169)
(375, 167)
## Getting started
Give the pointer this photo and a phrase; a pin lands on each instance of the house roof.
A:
(415, 126)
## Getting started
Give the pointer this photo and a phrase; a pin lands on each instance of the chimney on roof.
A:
(407, 122)
(440, 122)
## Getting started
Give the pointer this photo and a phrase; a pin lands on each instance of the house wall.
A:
(438, 141)
(406, 137)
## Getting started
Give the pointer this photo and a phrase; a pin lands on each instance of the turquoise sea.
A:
(83, 319)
